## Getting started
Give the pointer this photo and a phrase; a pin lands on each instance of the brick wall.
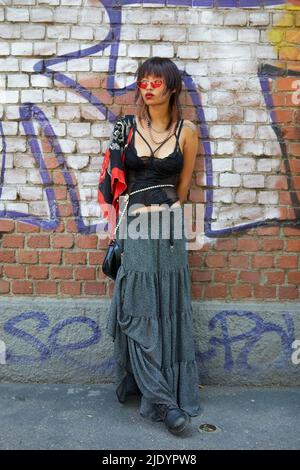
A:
(59, 63)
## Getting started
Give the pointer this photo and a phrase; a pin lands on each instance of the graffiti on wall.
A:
(219, 218)
(50, 340)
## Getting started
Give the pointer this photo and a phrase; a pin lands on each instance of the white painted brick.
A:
(9, 96)
(243, 131)
(162, 17)
(79, 65)
(268, 197)
(101, 65)
(17, 14)
(77, 162)
(67, 145)
(15, 176)
(41, 15)
(66, 48)
(230, 180)
(221, 98)
(59, 128)
(194, 69)
(9, 65)
(229, 213)
(245, 66)
(268, 164)
(17, 81)
(188, 52)
(223, 35)
(68, 15)
(272, 148)
(88, 178)
(70, 2)
(33, 176)
(210, 113)
(217, 131)
(235, 18)
(137, 16)
(68, 113)
(44, 48)
(10, 31)
(54, 96)
(33, 31)
(248, 98)
(223, 195)
(233, 51)
(173, 34)
(163, 50)
(21, 48)
(9, 193)
(58, 32)
(88, 146)
(10, 128)
(265, 52)
(35, 96)
(220, 66)
(248, 35)
(256, 115)
(265, 132)
(139, 50)
(74, 98)
(246, 196)
(211, 17)
(222, 164)
(24, 161)
(30, 193)
(253, 181)
(4, 49)
(82, 32)
(128, 33)
(188, 17)
(39, 209)
(259, 19)
(40, 81)
(79, 129)
(244, 165)
(146, 33)
(225, 147)
(251, 148)
(200, 34)
(253, 212)
(12, 112)
(17, 207)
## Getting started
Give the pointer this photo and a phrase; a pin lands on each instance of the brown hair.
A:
(167, 69)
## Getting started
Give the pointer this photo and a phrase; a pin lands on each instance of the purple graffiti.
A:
(30, 112)
(250, 338)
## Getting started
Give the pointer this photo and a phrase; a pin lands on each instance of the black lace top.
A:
(144, 171)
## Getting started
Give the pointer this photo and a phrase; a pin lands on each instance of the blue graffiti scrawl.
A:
(247, 340)
(219, 346)
(31, 112)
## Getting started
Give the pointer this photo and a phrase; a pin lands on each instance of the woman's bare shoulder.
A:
(189, 125)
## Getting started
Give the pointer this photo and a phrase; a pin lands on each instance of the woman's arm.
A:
(190, 149)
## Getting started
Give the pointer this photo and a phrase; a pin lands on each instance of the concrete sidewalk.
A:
(68, 416)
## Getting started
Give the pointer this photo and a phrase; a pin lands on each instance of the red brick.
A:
(22, 287)
(38, 241)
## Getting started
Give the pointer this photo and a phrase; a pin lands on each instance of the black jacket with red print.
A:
(112, 179)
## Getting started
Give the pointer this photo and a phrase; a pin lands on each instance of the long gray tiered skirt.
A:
(150, 318)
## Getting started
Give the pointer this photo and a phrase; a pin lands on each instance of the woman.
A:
(150, 315)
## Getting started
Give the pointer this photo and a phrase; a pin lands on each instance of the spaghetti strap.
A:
(174, 133)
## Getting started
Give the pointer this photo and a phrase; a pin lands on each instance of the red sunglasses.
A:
(155, 84)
